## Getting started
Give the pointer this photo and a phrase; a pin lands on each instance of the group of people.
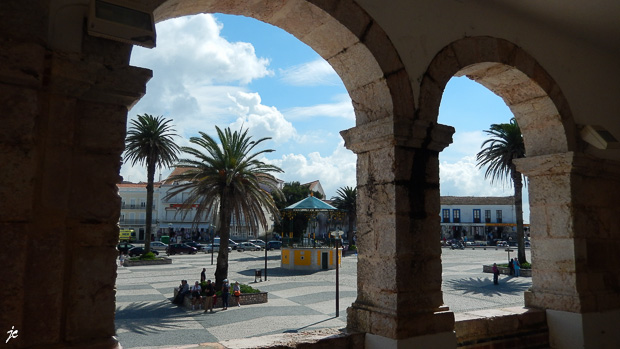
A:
(513, 265)
(208, 289)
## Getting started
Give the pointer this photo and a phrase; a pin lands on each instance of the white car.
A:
(158, 246)
(258, 242)
(247, 246)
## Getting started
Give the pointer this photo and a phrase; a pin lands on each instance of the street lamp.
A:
(212, 229)
(337, 235)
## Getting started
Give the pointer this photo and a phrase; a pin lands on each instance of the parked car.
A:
(274, 245)
(158, 246)
(137, 251)
(124, 247)
(248, 246)
(231, 243)
(198, 246)
(180, 248)
(258, 242)
(210, 247)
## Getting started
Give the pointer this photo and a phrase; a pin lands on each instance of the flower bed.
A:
(246, 299)
(138, 262)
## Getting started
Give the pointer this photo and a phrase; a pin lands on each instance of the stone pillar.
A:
(62, 135)
(399, 302)
(574, 210)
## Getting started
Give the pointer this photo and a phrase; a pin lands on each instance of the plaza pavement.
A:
(298, 301)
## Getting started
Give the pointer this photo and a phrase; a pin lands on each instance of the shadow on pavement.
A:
(485, 287)
(144, 318)
(316, 323)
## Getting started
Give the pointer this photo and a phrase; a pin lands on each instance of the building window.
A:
(446, 216)
(498, 215)
(456, 216)
(142, 204)
(476, 216)
(487, 216)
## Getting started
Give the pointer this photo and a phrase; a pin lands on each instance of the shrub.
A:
(148, 256)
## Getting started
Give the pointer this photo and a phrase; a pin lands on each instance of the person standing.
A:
(203, 275)
(237, 292)
(517, 267)
(225, 294)
(511, 265)
(209, 293)
(495, 274)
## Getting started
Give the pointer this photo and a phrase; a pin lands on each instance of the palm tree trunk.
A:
(149, 204)
(518, 185)
(221, 270)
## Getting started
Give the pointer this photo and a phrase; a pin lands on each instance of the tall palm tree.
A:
(150, 141)
(346, 200)
(228, 181)
(505, 145)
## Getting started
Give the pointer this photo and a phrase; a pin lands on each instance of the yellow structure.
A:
(309, 258)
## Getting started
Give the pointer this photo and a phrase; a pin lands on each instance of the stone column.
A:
(575, 247)
(64, 120)
(399, 298)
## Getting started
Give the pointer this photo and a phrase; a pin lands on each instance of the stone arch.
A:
(341, 32)
(528, 90)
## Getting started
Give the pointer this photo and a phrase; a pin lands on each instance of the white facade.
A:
(478, 218)
(169, 218)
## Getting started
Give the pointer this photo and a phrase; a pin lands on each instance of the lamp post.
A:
(266, 255)
(212, 229)
(337, 235)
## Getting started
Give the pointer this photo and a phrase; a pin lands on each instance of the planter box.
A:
(246, 299)
(160, 260)
(506, 270)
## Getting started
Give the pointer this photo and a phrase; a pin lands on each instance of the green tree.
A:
(228, 181)
(347, 201)
(150, 142)
(505, 145)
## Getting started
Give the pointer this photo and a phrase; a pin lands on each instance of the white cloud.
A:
(193, 48)
(334, 171)
(263, 121)
(315, 73)
(341, 108)
(194, 71)
(463, 178)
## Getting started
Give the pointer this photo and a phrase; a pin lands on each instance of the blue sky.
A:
(235, 71)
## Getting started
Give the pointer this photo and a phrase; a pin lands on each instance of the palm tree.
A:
(150, 141)
(505, 145)
(346, 200)
(229, 182)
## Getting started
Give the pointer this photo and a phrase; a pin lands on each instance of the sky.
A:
(232, 71)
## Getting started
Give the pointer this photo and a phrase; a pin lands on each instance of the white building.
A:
(478, 218)
(169, 219)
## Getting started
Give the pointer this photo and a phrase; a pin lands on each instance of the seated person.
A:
(183, 290)
(196, 295)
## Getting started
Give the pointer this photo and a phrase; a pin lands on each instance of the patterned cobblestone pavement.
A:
(298, 301)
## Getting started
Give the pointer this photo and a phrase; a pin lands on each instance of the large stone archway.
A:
(563, 236)
(65, 97)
